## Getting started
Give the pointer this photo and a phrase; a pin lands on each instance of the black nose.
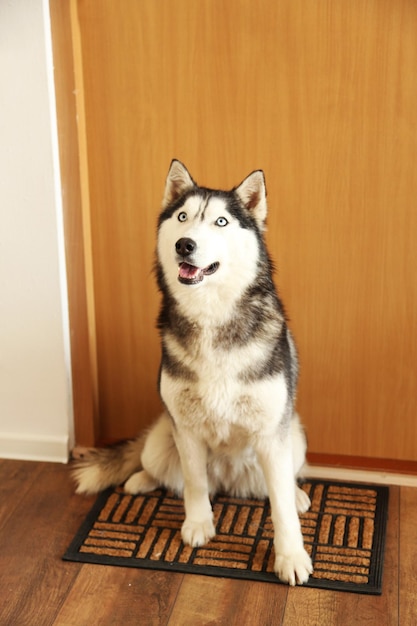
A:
(185, 246)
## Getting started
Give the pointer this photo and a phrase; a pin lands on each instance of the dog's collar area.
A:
(191, 275)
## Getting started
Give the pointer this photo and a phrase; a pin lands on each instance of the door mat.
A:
(344, 533)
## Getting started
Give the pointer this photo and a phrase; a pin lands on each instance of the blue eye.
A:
(221, 221)
(182, 216)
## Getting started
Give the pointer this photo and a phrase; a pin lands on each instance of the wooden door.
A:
(323, 97)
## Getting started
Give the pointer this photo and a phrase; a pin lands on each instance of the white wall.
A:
(35, 390)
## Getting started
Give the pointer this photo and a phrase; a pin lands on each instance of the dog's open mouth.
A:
(191, 275)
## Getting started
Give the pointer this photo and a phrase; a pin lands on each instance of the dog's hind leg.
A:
(302, 501)
(299, 444)
(299, 447)
(160, 461)
(140, 482)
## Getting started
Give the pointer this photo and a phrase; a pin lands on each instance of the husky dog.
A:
(228, 373)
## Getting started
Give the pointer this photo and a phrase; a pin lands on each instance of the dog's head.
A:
(210, 237)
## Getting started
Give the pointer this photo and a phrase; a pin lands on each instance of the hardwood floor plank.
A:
(227, 602)
(34, 581)
(16, 478)
(407, 556)
(111, 596)
(317, 607)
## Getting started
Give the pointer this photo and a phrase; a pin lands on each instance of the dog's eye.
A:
(182, 216)
(221, 221)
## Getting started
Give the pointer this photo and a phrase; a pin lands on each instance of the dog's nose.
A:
(185, 246)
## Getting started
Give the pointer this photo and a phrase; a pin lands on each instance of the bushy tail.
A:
(96, 469)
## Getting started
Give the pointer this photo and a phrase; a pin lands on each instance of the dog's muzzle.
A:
(189, 274)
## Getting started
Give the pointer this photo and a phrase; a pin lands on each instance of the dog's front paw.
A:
(293, 568)
(196, 534)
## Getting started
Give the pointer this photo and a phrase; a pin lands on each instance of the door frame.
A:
(74, 180)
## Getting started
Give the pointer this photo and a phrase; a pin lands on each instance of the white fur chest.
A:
(215, 402)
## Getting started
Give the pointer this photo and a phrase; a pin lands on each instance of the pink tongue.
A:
(188, 271)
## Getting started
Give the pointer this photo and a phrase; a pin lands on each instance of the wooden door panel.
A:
(323, 97)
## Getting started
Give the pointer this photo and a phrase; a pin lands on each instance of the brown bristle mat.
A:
(344, 532)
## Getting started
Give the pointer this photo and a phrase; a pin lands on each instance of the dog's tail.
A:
(96, 469)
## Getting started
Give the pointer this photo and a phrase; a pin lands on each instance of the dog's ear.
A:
(178, 182)
(252, 193)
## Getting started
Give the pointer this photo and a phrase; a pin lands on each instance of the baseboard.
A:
(374, 464)
(358, 468)
(359, 475)
(30, 447)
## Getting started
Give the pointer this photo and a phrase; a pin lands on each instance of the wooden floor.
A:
(39, 514)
